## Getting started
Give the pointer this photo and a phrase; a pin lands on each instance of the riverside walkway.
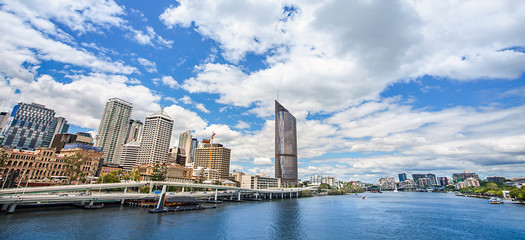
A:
(89, 193)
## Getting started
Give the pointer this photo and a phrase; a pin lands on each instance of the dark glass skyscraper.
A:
(285, 146)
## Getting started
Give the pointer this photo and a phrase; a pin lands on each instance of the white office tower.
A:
(113, 129)
(185, 146)
(134, 132)
(129, 156)
(155, 143)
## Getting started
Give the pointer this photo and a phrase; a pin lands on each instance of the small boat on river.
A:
(495, 200)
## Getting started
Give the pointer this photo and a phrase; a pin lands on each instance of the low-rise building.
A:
(203, 174)
(44, 164)
(498, 180)
(108, 168)
(259, 181)
(174, 173)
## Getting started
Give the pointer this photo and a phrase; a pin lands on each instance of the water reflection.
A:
(287, 222)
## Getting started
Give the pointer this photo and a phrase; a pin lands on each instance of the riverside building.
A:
(44, 164)
(285, 146)
(155, 143)
(259, 181)
(113, 129)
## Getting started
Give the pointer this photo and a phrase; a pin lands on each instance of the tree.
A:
(324, 186)
(74, 166)
(3, 159)
(159, 172)
(136, 175)
(111, 177)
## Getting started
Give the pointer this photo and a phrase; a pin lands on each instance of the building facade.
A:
(62, 139)
(459, 177)
(402, 177)
(113, 128)
(134, 132)
(27, 126)
(174, 173)
(46, 164)
(220, 158)
(129, 156)
(498, 180)
(156, 137)
(442, 181)
(4, 116)
(58, 126)
(259, 181)
(431, 178)
(285, 146)
(387, 183)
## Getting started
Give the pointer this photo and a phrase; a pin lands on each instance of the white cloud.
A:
(149, 37)
(168, 81)
(202, 108)
(21, 44)
(262, 161)
(150, 66)
(82, 101)
(187, 100)
(242, 125)
(357, 48)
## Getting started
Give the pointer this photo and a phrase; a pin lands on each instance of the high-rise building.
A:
(113, 129)
(220, 158)
(27, 126)
(58, 126)
(402, 177)
(185, 141)
(129, 156)
(4, 116)
(459, 177)
(134, 132)
(431, 178)
(194, 144)
(285, 146)
(155, 143)
(442, 181)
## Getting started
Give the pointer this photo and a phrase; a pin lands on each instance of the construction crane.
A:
(211, 150)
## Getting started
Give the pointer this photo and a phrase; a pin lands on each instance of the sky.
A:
(377, 87)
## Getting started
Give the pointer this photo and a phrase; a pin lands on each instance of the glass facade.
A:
(27, 126)
(285, 146)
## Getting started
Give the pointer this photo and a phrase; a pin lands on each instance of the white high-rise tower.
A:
(156, 136)
(113, 129)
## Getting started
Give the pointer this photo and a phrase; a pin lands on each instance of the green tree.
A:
(492, 186)
(3, 159)
(159, 172)
(111, 177)
(136, 175)
(324, 186)
(74, 166)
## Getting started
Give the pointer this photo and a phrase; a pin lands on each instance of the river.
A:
(389, 215)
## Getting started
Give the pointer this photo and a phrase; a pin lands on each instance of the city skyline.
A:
(377, 88)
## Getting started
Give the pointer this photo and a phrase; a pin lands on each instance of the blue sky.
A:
(377, 88)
